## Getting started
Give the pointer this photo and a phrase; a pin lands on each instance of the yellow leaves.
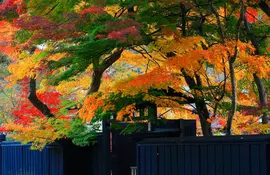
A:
(133, 58)
(20, 69)
(56, 57)
(241, 122)
(80, 6)
(79, 86)
(112, 9)
(40, 132)
(164, 101)
(179, 46)
(258, 128)
(176, 113)
(126, 111)
(30, 65)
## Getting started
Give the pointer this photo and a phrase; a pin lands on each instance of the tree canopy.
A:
(77, 62)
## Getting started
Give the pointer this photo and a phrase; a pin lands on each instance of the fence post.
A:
(106, 147)
(2, 137)
(133, 170)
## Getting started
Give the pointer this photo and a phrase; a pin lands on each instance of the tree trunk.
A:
(200, 103)
(262, 96)
(203, 115)
(234, 99)
(32, 96)
(96, 81)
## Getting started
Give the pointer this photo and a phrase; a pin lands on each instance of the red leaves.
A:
(217, 121)
(252, 15)
(8, 5)
(93, 10)
(123, 34)
(116, 25)
(11, 7)
(125, 30)
(46, 29)
(26, 111)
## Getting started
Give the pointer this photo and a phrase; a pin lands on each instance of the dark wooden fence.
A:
(235, 155)
(113, 154)
(18, 159)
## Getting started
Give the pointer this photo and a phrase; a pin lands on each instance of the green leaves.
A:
(23, 35)
(80, 134)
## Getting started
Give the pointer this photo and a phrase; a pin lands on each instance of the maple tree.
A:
(109, 58)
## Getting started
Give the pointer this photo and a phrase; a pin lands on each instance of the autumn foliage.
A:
(94, 60)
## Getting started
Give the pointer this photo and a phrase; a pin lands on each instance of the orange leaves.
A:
(7, 30)
(192, 61)
(242, 122)
(256, 64)
(159, 78)
(91, 104)
(127, 111)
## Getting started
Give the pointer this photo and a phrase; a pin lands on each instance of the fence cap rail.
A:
(213, 139)
(18, 143)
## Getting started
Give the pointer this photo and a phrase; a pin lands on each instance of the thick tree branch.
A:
(32, 96)
(265, 8)
(99, 70)
(172, 93)
(111, 59)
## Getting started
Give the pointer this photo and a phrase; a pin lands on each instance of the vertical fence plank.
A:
(211, 159)
(142, 161)
(181, 159)
(203, 160)
(227, 162)
(188, 165)
(154, 162)
(255, 159)
(263, 158)
(174, 160)
(195, 159)
(219, 159)
(244, 159)
(161, 159)
(235, 159)
(168, 162)
(148, 160)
